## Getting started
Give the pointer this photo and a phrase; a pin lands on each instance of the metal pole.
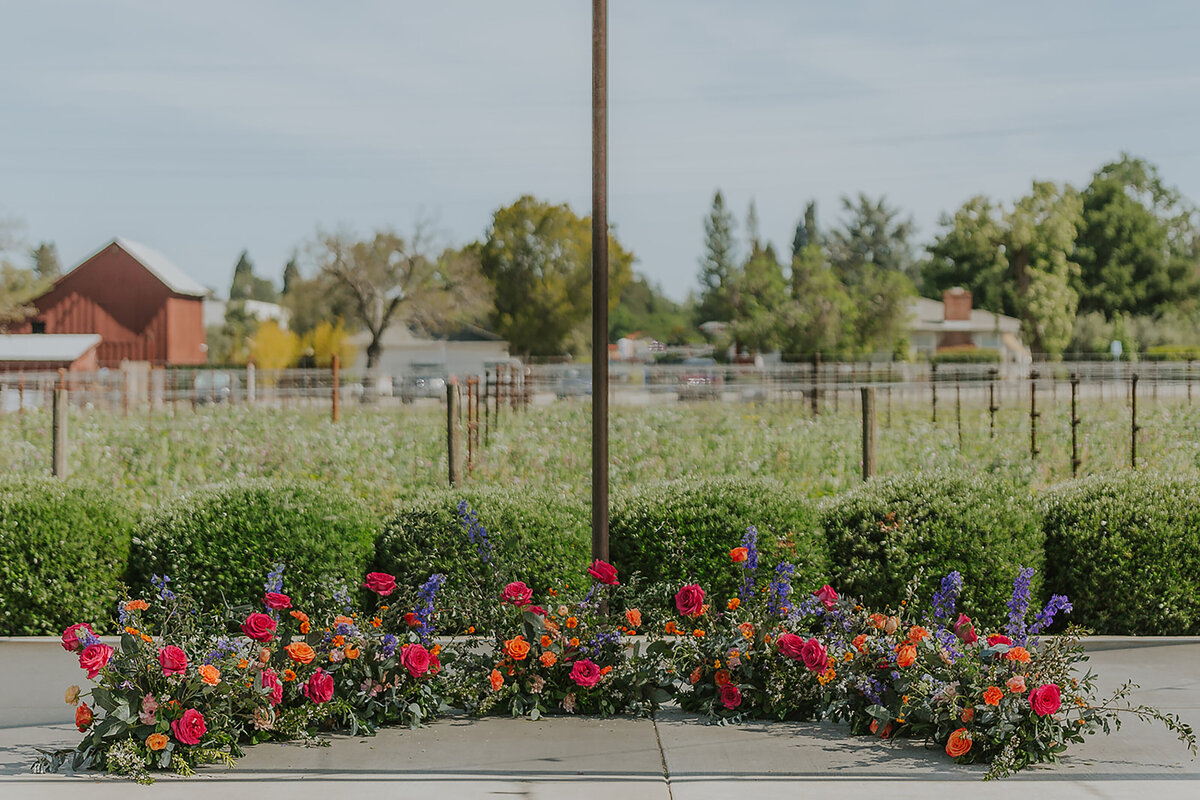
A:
(992, 407)
(600, 279)
(1075, 460)
(870, 433)
(59, 426)
(1133, 426)
(1033, 414)
(336, 406)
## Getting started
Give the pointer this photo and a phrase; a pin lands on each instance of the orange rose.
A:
(209, 674)
(83, 717)
(352, 652)
(516, 648)
(1017, 654)
(157, 741)
(722, 677)
(633, 618)
(916, 633)
(878, 620)
(1016, 684)
(300, 652)
(747, 630)
(959, 743)
(968, 714)
(739, 554)
(993, 695)
(548, 659)
(906, 656)
(300, 615)
(136, 605)
(496, 679)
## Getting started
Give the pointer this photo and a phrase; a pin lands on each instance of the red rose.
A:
(319, 687)
(415, 659)
(814, 656)
(604, 572)
(518, 593)
(435, 664)
(410, 619)
(1045, 699)
(95, 658)
(585, 673)
(271, 681)
(70, 637)
(964, 630)
(690, 600)
(277, 601)
(731, 696)
(83, 717)
(172, 660)
(259, 627)
(190, 728)
(380, 583)
(790, 645)
(826, 595)
(998, 638)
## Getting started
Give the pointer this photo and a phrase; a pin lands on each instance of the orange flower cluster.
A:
(137, 605)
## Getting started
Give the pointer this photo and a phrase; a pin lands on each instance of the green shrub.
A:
(1172, 352)
(1126, 552)
(63, 548)
(541, 539)
(966, 354)
(682, 531)
(218, 543)
(881, 534)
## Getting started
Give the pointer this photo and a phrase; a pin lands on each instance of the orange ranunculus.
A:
(300, 652)
(497, 680)
(739, 554)
(352, 652)
(548, 658)
(722, 677)
(747, 630)
(147, 639)
(133, 631)
(1017, 654)
(572, 622)
(436, 649)
(516, 648)
(993, 695)
(209, 674)
(670, 627)
(545, 641)
(860, 642)
(906, 655)
(289, 674)
(376, 622)
(243, 664)
(733, 603)
(959, 743)
(136, 605)
(916, 633)
(305, 627)
(968, 714)
(157, 741)
(633, 618)
(694, 678)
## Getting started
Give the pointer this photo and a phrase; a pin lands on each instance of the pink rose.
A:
(172, 660)
(319, 687)
(964, 630)
(826, 595)
(1045, 699)
(190, 728)
(380, 583)
(604, 572)
(277, 601)
(731, 696)
(518, 593)
(415, 659)
(585, 673)
(690, 600)
(95, 658)
(259, 627)
(271, 681)
(790, 645)
(813, 655)
(998, 638)
(70, 637)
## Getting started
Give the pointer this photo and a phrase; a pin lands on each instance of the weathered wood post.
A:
(958, 406)
(933, 389)
(992, 407)
(454, 431)
(1033, 414)
(336, 393)
(1133, 426)
(816, 384)
(251, 383)
(870, 433)
(59, 428)
(1075, 460)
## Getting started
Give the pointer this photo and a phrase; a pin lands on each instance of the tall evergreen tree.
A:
(806, 230)
(718, 265)
(291, 275)
(243, 278)
(45, 261)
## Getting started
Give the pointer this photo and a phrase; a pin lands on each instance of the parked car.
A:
(701, 379)
(423, 380)
(574, 383)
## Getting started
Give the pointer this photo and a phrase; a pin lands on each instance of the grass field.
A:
(382, 454)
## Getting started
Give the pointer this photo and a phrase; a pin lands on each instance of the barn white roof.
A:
(174, 278)
(46, 346)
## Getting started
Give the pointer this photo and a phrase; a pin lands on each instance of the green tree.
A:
(806, 231)
(643, 307)
(538, 259)
(248, 286)
(17, 286)
(291, 274)
(718, 265)
(873, 236)
(820, 315)
(970, 253)
(757, 294)
(45, 261)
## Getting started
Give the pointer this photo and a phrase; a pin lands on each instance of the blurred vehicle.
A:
(214, 386)
(574, 383)
(422, 380)
(700, 379)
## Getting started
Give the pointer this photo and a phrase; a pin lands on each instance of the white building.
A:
(952, 322)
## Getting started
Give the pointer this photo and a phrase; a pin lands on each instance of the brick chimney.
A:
(957, 304)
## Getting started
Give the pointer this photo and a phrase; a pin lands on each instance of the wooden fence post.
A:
(1133, 426)
(453, 431)
(336, 393)
(1075, 460)
(992, 407)
(816, 384)
(958, 406)
(59, 427)
(933, 389)
(1033, 414)
(870, 433)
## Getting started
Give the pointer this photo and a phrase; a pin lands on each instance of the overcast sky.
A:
(203, 129)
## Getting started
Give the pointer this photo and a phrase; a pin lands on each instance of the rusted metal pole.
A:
(453, 432)
(336, 400)
(870, 434)
(600, 279)
(1075, 460)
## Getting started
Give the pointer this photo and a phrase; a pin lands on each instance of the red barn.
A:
(144, 307)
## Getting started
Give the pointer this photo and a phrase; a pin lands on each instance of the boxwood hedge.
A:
(220, 542)
(1126, 551)
(882, 533)
(63, 547)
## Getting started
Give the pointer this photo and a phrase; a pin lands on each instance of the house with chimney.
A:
(953, 323)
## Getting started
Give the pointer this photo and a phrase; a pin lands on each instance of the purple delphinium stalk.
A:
(1018, 606)
(160, 583)
(387, 645)
(1046, 616)
(872, 689)
(476, 533)
(123, 615)
(750, 565)
(598, 642)
(275, 580)
(780, 590)
(944, 599)
(342, 597)
(424, 611)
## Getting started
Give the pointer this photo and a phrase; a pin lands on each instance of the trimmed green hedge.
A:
(220, 542)
(682, 531)
(966, 354)
(63, 547)
(1125, 549)
(882, 533)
